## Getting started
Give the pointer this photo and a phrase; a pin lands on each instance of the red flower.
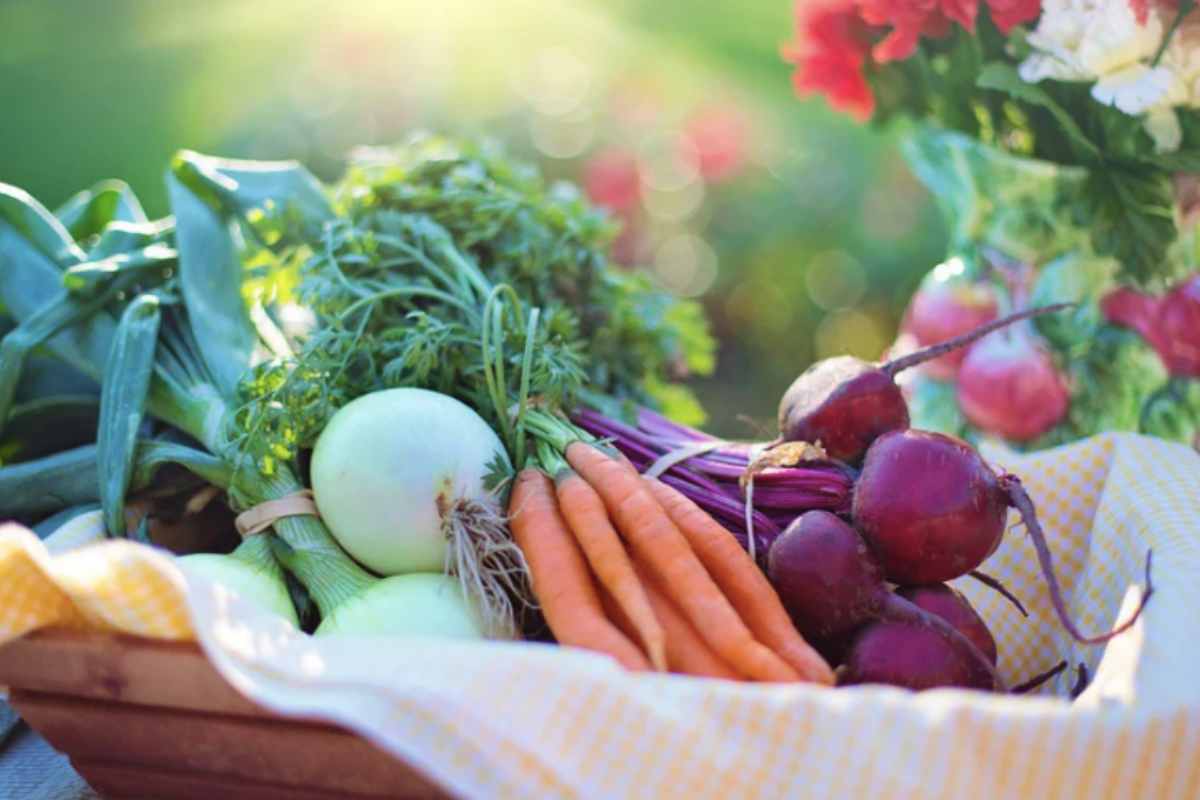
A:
(835, 36)
(833, 43)
(912, 19)
(1008, 14)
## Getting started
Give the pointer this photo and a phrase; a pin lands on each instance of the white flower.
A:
(1080, 40)
(1182, 60)
(1163, 126)
(1101, 41)
(1180, 64)
(1136, 88)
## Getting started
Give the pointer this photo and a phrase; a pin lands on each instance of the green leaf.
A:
(127, 375)
(47, 425)
(151, 265)
(1132, 218)
(63, 313)
(120, 237)
(34, 248)
(154, 454)
(88, 212)
(933, 406)
(1078, 278)
(210, 279)
(249, 188)
(1179, 161)
(208, 197)
(47, 376)
(1174, 412)
(30, 219)
(1002, 77)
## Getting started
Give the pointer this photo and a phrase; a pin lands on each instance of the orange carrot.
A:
(561, 581)
(655, 540)
(687, 654)
(587, 518)
(742, 582)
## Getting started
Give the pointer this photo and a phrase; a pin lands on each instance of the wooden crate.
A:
(140, 718)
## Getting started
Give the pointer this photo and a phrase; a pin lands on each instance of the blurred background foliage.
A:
(803, 233)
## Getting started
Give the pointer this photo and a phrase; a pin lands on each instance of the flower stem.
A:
(1185, 8)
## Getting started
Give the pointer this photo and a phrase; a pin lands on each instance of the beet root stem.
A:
(936, 350)
(1021, 501)
(1038, 680)
(996, 585)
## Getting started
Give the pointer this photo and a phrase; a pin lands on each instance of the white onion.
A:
(388, 467)
(420, 604)
(398, 476)
(248, 581)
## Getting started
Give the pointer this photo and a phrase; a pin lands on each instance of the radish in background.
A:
(1170, 324)
(946, 305)
(1178, 321)
(1008, 385)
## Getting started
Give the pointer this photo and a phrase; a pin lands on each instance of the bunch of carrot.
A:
(626, 565)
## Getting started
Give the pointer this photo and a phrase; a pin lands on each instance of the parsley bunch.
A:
(454, 268)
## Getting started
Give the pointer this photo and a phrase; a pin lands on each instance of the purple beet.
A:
(831, 584)
(828, 580)
(951, 606)
(931, 509)
(929, 506)
(912, 656)
(834, 648)
(845, 403)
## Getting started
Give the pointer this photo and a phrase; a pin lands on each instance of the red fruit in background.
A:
(1179, 329)
(1131, 309)
(947, 305)
(715, 141)
(611, 179)
(1170, 324)
(1008, 385)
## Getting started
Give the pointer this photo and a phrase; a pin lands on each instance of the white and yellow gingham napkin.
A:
(528, 720)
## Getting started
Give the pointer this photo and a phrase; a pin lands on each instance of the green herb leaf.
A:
(1132, 218)
(1002, 77)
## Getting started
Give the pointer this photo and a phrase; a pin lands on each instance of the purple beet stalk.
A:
(712, 479)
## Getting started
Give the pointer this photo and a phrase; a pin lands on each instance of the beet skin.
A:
(929, 506)
(911, 656)
(951, 606)
(844, 404)
(826, 577)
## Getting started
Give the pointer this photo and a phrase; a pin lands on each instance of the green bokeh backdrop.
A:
(818, 239)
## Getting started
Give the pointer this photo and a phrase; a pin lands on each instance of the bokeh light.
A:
(686, 265)
(835, 280)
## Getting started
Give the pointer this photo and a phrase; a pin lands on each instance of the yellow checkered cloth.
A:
(526, 720)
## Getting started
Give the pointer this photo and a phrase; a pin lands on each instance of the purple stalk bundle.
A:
(712, 479)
